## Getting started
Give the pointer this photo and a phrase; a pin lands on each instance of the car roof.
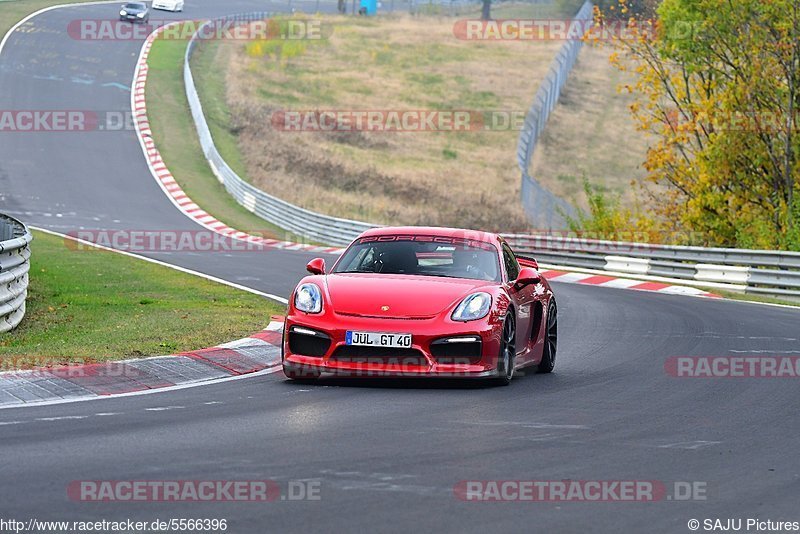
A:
(436, 231)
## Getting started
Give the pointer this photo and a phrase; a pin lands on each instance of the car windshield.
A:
(134, 6)
(422, 255)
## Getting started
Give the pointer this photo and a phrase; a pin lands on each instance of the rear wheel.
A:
(505, 360)
(548, 362)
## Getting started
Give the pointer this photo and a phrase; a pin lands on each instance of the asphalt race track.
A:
(387, 454)
(66, 181)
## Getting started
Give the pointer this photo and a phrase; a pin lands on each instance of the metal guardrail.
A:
(15, 254)
(752, 271)
(308, 224)
(543, 208)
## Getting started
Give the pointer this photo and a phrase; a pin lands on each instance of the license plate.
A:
(378, 339)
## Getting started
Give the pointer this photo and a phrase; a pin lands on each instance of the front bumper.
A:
(431, 354)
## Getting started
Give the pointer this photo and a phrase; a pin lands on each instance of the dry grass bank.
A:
(398, 63)
(591, 133)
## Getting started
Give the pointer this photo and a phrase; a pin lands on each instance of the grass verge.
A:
(86, 304)
(176, 138)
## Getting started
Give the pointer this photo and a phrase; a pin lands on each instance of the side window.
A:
(512, 267)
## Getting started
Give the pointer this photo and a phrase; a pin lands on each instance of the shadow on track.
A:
(546, 382)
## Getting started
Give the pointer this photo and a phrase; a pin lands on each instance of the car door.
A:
(523, 298)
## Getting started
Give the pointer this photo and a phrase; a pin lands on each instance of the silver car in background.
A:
(135, 12)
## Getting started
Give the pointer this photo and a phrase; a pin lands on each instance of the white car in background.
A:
(168, 5)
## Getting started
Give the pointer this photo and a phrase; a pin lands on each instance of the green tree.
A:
(718, 82)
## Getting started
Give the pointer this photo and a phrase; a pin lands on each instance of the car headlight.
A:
(308, 298)
(123, 13)
(474, 307)
(140, 15)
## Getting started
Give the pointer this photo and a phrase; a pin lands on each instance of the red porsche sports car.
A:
(422, 302)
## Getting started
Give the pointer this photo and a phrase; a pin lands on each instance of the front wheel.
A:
(548, 362)
(505, 360)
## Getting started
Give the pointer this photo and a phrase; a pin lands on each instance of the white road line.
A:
(690, 445)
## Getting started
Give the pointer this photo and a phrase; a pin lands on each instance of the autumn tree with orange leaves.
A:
(718, 83)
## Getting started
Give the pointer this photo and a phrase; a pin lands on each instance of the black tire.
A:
(505, 360)
(548, 362)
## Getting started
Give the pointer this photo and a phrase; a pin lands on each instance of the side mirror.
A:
(316, 266)
(528, 275)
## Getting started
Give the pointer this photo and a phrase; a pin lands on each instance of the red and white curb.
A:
(603, 280)
(168, 183)
(259, 353)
